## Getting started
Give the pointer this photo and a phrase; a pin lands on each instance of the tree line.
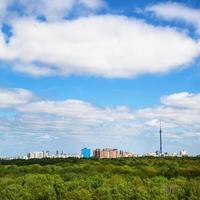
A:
(144, 178)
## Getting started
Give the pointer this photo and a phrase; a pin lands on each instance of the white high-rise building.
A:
(183, 153)
(32, 155)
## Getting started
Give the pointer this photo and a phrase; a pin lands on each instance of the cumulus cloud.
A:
(182, 100)
(172, 11)
(52, 10)
(3, 7)
(33, 69)
(46, 120)
(79, 110)
(14, 97)
(93, 4)
(176, 111)
(108, 46)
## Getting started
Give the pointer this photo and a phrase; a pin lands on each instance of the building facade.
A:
(37, 155)
(86, 153)
(105, 153)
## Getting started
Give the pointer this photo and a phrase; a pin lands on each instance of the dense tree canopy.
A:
(108, 179)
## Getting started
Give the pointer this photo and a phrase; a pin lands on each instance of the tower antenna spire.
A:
(160, 138)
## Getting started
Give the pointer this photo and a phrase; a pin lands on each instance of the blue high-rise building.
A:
(86, 153)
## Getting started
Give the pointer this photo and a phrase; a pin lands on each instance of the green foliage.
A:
(108, 179)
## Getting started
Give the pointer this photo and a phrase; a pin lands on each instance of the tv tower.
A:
(160, 138)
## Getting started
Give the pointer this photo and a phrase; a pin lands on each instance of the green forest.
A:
(144, 178)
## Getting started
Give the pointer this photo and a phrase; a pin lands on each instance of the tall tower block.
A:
(160, 138)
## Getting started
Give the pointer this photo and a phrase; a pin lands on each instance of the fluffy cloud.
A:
(52, 10)
(93, 4)
(108, 46)
(33, 69)
(176, 110)
(3, 4)
(14, 97)
(179, 109)
(42, 121)
(182, 100)
(172, 11)
(79, 110)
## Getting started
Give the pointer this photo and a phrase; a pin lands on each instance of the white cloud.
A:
(171, 115)
(83, 121)
(79, 110)
(52, 10)
(33, 69)
(108, 46)
(172, 11)
(14, 97)
(176, 109)
(3, 8)
(93, 4)
(182, 100)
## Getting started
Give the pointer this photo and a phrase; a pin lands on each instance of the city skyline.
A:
(98, 153)
(99, 74)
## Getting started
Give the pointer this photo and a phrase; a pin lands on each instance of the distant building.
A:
(86, 153)
(97, 153)
(113, 153)
(157, 153)
(105, 153)
(125, 154)
(183, 153)
(35, 155)
(154, 154)
(71, 156)
(46, 154)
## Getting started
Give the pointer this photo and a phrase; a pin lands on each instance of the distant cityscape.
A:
(96, 153)
(99, 153)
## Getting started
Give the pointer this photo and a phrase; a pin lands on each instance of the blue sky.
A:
(76, 73)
